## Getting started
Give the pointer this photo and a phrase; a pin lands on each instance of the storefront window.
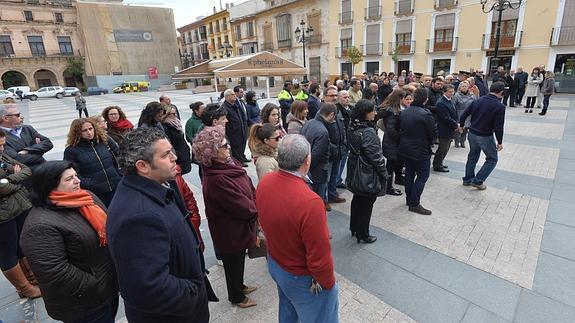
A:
(565, 73)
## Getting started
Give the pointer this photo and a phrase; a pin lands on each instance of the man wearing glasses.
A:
(23, 142)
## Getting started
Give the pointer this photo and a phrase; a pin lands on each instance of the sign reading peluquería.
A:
(265, 62)
(132, 36)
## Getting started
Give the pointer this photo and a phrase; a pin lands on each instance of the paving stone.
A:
(534, 308)
(562, 212)
(555, 278)
(483, 289)
(559, 240)
(476, 314)
(563, 192)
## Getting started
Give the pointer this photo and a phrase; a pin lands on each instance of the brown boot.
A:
(23, 287)
(27, 271)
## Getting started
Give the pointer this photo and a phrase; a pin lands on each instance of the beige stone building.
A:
(37, 37)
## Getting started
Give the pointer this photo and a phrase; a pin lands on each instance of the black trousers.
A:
(441, 152)
(85, 112)
(361, 209)
(530, 102)
(392, 166)
(234, 264)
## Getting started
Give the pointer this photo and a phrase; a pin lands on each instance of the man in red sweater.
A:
(297, 237)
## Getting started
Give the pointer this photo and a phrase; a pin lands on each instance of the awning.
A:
(201, 70)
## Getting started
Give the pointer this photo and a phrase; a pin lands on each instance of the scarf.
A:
(89, 210)
(122, 124)
(175, 123)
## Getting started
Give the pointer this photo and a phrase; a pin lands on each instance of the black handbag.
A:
(364, 180)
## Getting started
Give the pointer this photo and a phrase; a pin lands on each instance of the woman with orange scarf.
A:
(64, 238)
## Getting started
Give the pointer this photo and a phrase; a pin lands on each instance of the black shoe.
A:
(542, 113)
(400, 180)
(420, 210)
(394, 192)
(352, 233)
(526, 110)
(441, 170)
(456, 145)
(462, 146)
(530, 110)
(512, 106)
(368, 239)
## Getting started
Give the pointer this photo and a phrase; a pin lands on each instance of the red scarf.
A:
(122, 124)
(89, 210)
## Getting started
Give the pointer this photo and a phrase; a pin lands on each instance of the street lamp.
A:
(225, 49)
(303, 36)
(499, 6)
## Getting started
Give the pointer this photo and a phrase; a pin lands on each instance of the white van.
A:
(25, 89)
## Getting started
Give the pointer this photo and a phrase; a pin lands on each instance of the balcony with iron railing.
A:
(315, 39)
(562, 36)
(445, 4)
(506, 41)
(346, 18)
(372, 49)
(402, 47)
(286, 43)
(341, 51)
(404, 7)
(267, 46)
(442, 45)
(372, 13)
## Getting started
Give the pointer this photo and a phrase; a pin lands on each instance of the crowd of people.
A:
(115, 215)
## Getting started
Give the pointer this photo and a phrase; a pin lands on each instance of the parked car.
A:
(71, 91)
(7, 94)
(95, 90)
(25, 89)
(46, 92)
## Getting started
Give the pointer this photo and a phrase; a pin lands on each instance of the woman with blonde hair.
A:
(93, 156)
(297, 116)
(462, 100)
(263, 142)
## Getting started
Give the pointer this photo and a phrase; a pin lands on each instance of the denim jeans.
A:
(416, 175)
(477, 144)
(545, 103)
(104, 315)
(342, 163)
(297, 303)
(332, 182)
(319, 188)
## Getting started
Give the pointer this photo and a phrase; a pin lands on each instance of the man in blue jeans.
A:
(487, 118)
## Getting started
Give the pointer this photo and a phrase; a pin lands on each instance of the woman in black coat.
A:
(64, 238)
(390, 112)
(175, 133)
(364, 143)
(94, 158)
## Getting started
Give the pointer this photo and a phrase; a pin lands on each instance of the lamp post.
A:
(303, 36)
(499, 6)
(225, 49)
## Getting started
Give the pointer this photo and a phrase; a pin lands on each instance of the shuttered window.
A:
(403, 27)
(508, 14)
(372, 34)
(446, 21)
(284, 30)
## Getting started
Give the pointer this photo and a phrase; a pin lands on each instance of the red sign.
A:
(153, 72)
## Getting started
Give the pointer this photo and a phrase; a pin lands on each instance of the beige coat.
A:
(265, 158)
(533, 85)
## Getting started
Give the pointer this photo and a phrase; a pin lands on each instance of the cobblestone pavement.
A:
(500, 255)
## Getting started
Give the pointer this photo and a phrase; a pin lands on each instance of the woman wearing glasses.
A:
(175, 133)
(263, 143)
(230, 203)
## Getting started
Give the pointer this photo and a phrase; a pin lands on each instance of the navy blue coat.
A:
(447, 120)
(418, 131)
(156, 254)
(237, 126)
(313, 104)
(317, 134)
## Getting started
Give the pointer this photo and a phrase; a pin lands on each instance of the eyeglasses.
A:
(13, 115)
(331, 95)
(276, 138)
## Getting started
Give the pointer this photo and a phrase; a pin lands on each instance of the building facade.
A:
(37, 38)
(431, 35)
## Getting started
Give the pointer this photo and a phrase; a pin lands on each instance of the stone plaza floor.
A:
(506, 254)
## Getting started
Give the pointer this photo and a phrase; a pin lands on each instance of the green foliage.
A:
(75, 67)
(354, 56)
(206, 82)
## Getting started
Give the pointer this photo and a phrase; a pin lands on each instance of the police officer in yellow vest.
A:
(303, 94)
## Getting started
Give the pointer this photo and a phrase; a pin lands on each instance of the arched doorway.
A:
(13, 78)
(44, 78)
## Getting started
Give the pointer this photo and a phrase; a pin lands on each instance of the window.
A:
(65, 45)
(315, 69)
(36, 45)
(268, 38)
(250, 26)
(224, 25)
(217, 26)
(28, 15)
(404, 7)
(314, 22)
(346, 15)
(345, 38)
(238, 32)
(372, 68)
(6, 48)
(284, 30)
(444, 28)
(372, 42)
(59, 17)
(249, 48)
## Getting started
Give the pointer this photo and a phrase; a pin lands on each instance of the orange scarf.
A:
(89, 210)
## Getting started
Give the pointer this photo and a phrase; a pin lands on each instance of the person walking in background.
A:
(548, 89)
(252, 108)
(263, 143)
(532, 91)
(155, 249)
(447, 125)
(418, 132)
(229, 197)
(81, 104)
(297, 117)
(194, 123)
(364, 144)
(462, 100)
(487, 117)
(65, 240)
(297, 237)
(13, 211)
(521, 81)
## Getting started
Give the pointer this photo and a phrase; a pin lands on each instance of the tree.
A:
(75, 68)
(354, 56)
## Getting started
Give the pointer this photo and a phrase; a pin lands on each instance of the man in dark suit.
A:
(418, 131)
(511, 92)
(154, 248)
(237, 126)
(521, 81)
(447, 124)
(23, 142)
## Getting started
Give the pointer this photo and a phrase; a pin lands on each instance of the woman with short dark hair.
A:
(252, 108)
(64, 238)
(297, 116)
(365, 152)
(152, 115)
